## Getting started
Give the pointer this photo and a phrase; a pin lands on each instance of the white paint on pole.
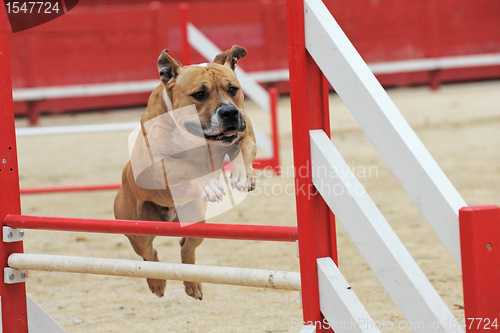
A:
(386, 255)
(397, 143)
(159, 270)
(209, 50)
(338, 302)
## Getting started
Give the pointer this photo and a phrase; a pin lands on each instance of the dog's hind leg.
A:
(143, 245)
(191, 212)
(188, 247)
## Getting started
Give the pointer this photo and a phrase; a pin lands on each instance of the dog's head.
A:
(215, 91)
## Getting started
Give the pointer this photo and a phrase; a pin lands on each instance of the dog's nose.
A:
(228, 112)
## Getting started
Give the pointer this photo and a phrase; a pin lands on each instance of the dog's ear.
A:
(168, 67)
(230, 57)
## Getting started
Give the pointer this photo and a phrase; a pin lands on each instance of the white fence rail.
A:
(397, 143)
(338, 302)
(391, 262)
(414, 65)
(158, 270)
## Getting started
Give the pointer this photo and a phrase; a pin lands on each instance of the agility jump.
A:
(473, 243)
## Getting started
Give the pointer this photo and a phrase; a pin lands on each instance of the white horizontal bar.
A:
(400, 66)
(387, 129)
(119, 88)
(338, 302)
(270, 76)
(34, 94)
(40, 93)
(414, 65)
(209, 50)
(158, 270)
(28, 131)
(263, 141)
(391, 262)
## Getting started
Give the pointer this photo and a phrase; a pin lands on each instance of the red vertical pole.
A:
(186, 47)
(480, 251)
(14, 316)
(309, 101)
(273, 100)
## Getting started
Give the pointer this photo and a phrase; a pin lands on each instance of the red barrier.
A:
(70, 188)
(480, 250)
(186, 48)
(380, 30)
(175, 229)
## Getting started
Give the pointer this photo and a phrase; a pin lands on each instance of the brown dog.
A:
(225, 129)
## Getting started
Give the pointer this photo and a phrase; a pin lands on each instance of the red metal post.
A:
(186, 47)
(309, 101)
(176, 229)
(14, 316)
(273, 99)
(480, 250)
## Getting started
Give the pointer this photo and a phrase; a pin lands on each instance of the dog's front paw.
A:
(243, 180)
(213, 191)
(193, 289)
(157, 287)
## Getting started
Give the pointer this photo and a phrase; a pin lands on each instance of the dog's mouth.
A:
(229, 135)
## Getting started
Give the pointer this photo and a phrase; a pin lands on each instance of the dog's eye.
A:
(233, 91)
(199, 96)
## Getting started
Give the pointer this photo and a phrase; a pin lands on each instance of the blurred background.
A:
(110, 41)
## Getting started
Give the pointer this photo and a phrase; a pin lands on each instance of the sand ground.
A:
(459, 124)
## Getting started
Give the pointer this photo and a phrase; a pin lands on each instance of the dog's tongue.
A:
(229, 131)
